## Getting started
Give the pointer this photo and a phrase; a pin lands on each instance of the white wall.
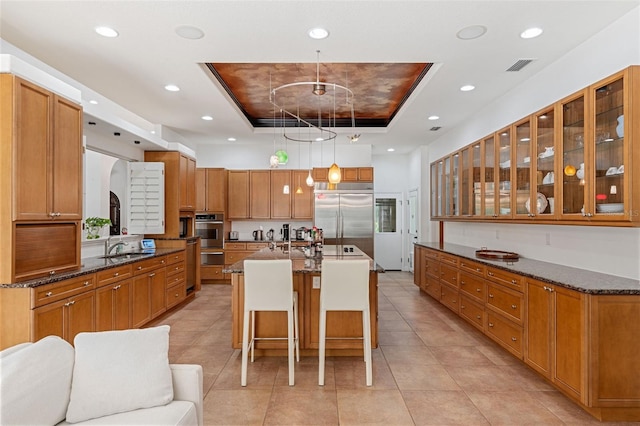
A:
(245, 156)
(610, 250)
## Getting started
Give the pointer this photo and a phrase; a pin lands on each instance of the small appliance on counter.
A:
(270, 234)
(148, 245)
(234, 236)
(285, 232)
(258, 235)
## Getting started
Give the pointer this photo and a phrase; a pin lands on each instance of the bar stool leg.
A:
(290, 343)
(253, 334)
(366, 330)
(321, 349)
(245, 348)
(295, 325)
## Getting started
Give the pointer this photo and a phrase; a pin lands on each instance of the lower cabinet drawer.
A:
(175, 279)
(212, 273)
(48, 293)
(472, 311)
(176, 294)
(432, 288)
(506, 333)
(473, 286)
(506, 301)
(176, 268)
(449, 297)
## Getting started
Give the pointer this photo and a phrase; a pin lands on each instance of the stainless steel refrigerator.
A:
(345, 215)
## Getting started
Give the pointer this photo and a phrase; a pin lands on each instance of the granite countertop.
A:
(300, 262)
(91, 265)
(565, 276)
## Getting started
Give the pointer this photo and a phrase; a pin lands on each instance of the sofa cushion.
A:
(36, 382)
(175, 413)
(119, 371)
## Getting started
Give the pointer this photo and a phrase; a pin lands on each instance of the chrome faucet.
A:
(109, 247)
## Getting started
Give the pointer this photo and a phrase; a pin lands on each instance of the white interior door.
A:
(412, 221)
(388, 230)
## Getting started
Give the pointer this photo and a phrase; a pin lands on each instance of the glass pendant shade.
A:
(273, 161)
(309, 179)
(282, 155)
(299, 190)
(334, 174)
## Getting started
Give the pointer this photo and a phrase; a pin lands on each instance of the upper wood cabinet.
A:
(301, 204)
(179, 188)
(47, 144)
(41, 180)
(187, 183)
(238, 194)
(281, 199)
(349, 174)
(260, 194)
(569, 163)
(211, 190)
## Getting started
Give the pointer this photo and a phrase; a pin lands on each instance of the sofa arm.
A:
(187, 385)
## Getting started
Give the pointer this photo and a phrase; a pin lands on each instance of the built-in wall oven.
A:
(209, 227)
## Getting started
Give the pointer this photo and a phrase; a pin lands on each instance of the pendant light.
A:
(309, 180)
(334, 171)
(299, 188)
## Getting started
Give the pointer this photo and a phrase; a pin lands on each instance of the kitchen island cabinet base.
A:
(344, 328)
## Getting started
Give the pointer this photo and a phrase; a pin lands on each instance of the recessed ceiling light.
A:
(469, 33)
(191, 33)
(94, 102)
(153, 132)
(319, 139)
(525, 139)
(531, 32)
(107, 32)
(318, 33)
(207, 117)
(172, 88)
(467, 88)
(390, 149)
(231, 139)
(433, 117)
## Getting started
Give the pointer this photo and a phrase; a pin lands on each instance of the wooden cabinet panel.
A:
(432, 267)
(539, 328)
(418, 266)
(260, 194)
(472, 267)
(238, 194)
(280, 203)
(449, 275)
(569, 342)
(349, 174)
(144, 266)
(110, 276)
(320, 174)
(158, 288)
(65, 318)
(365, 174)
(113, 306)
(506, 333)
(472, 311)
(432, 287)
(140, 301)
(187, 183)
(449, 297)
(302, 204)
(473, 286)
(176, 294)
(231, 257)
(215, 191)
(506, 302)
(66, 154)
(513, 281)
(212, 273)
(48, 293)
(201, 190)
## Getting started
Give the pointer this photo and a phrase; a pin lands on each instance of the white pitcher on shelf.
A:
(580, 171)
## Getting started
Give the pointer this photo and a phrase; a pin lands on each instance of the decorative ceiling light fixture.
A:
(325, 96)
(309, 180)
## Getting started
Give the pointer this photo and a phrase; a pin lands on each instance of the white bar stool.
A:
(268, 286)
(344, 286)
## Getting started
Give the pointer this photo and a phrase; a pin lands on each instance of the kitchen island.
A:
(342, 327)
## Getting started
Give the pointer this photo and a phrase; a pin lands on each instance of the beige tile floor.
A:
(431, 368)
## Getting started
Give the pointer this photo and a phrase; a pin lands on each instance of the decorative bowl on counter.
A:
(610, 208)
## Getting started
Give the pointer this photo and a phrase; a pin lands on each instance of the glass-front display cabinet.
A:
(576, 170)
(543, 178)
(607, 196)
(503, 174)
(435, 189)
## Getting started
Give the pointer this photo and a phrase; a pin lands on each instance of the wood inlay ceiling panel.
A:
(380, 89)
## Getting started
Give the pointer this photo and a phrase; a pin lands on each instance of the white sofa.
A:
(49, 382)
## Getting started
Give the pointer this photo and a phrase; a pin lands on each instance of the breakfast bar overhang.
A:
(344, 329)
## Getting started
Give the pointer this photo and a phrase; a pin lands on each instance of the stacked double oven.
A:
(210, 229)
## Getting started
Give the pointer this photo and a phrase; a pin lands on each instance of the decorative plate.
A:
(541, 203)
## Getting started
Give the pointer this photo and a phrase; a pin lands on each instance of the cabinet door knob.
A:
(490, 273)
(478, 269)
(117, 287)
(478, 290)
(514, 281)
(478, 317)
(70, 303)
(490, 295)
(116, 274)
(513, 339)
(177, 295)
(461, 306)
(490, 324)
(514, 306)
(152, 275)
(139, 268)
(49, 294)
(86, 283)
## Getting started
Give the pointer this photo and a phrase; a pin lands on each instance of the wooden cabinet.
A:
(179, 187)
(280, 202)
(148, 290)
(64, 309)
(187, 183)
(555, 333)
(349, 174)
(113, 306)
(47, 155)
(238, 194)
(301, 204)
(569, 163)
(176, 280)
(260, 194)
(40, 179)
(211, 190)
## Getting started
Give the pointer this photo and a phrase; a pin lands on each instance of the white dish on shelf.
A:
(610, 208)
(541, 203)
